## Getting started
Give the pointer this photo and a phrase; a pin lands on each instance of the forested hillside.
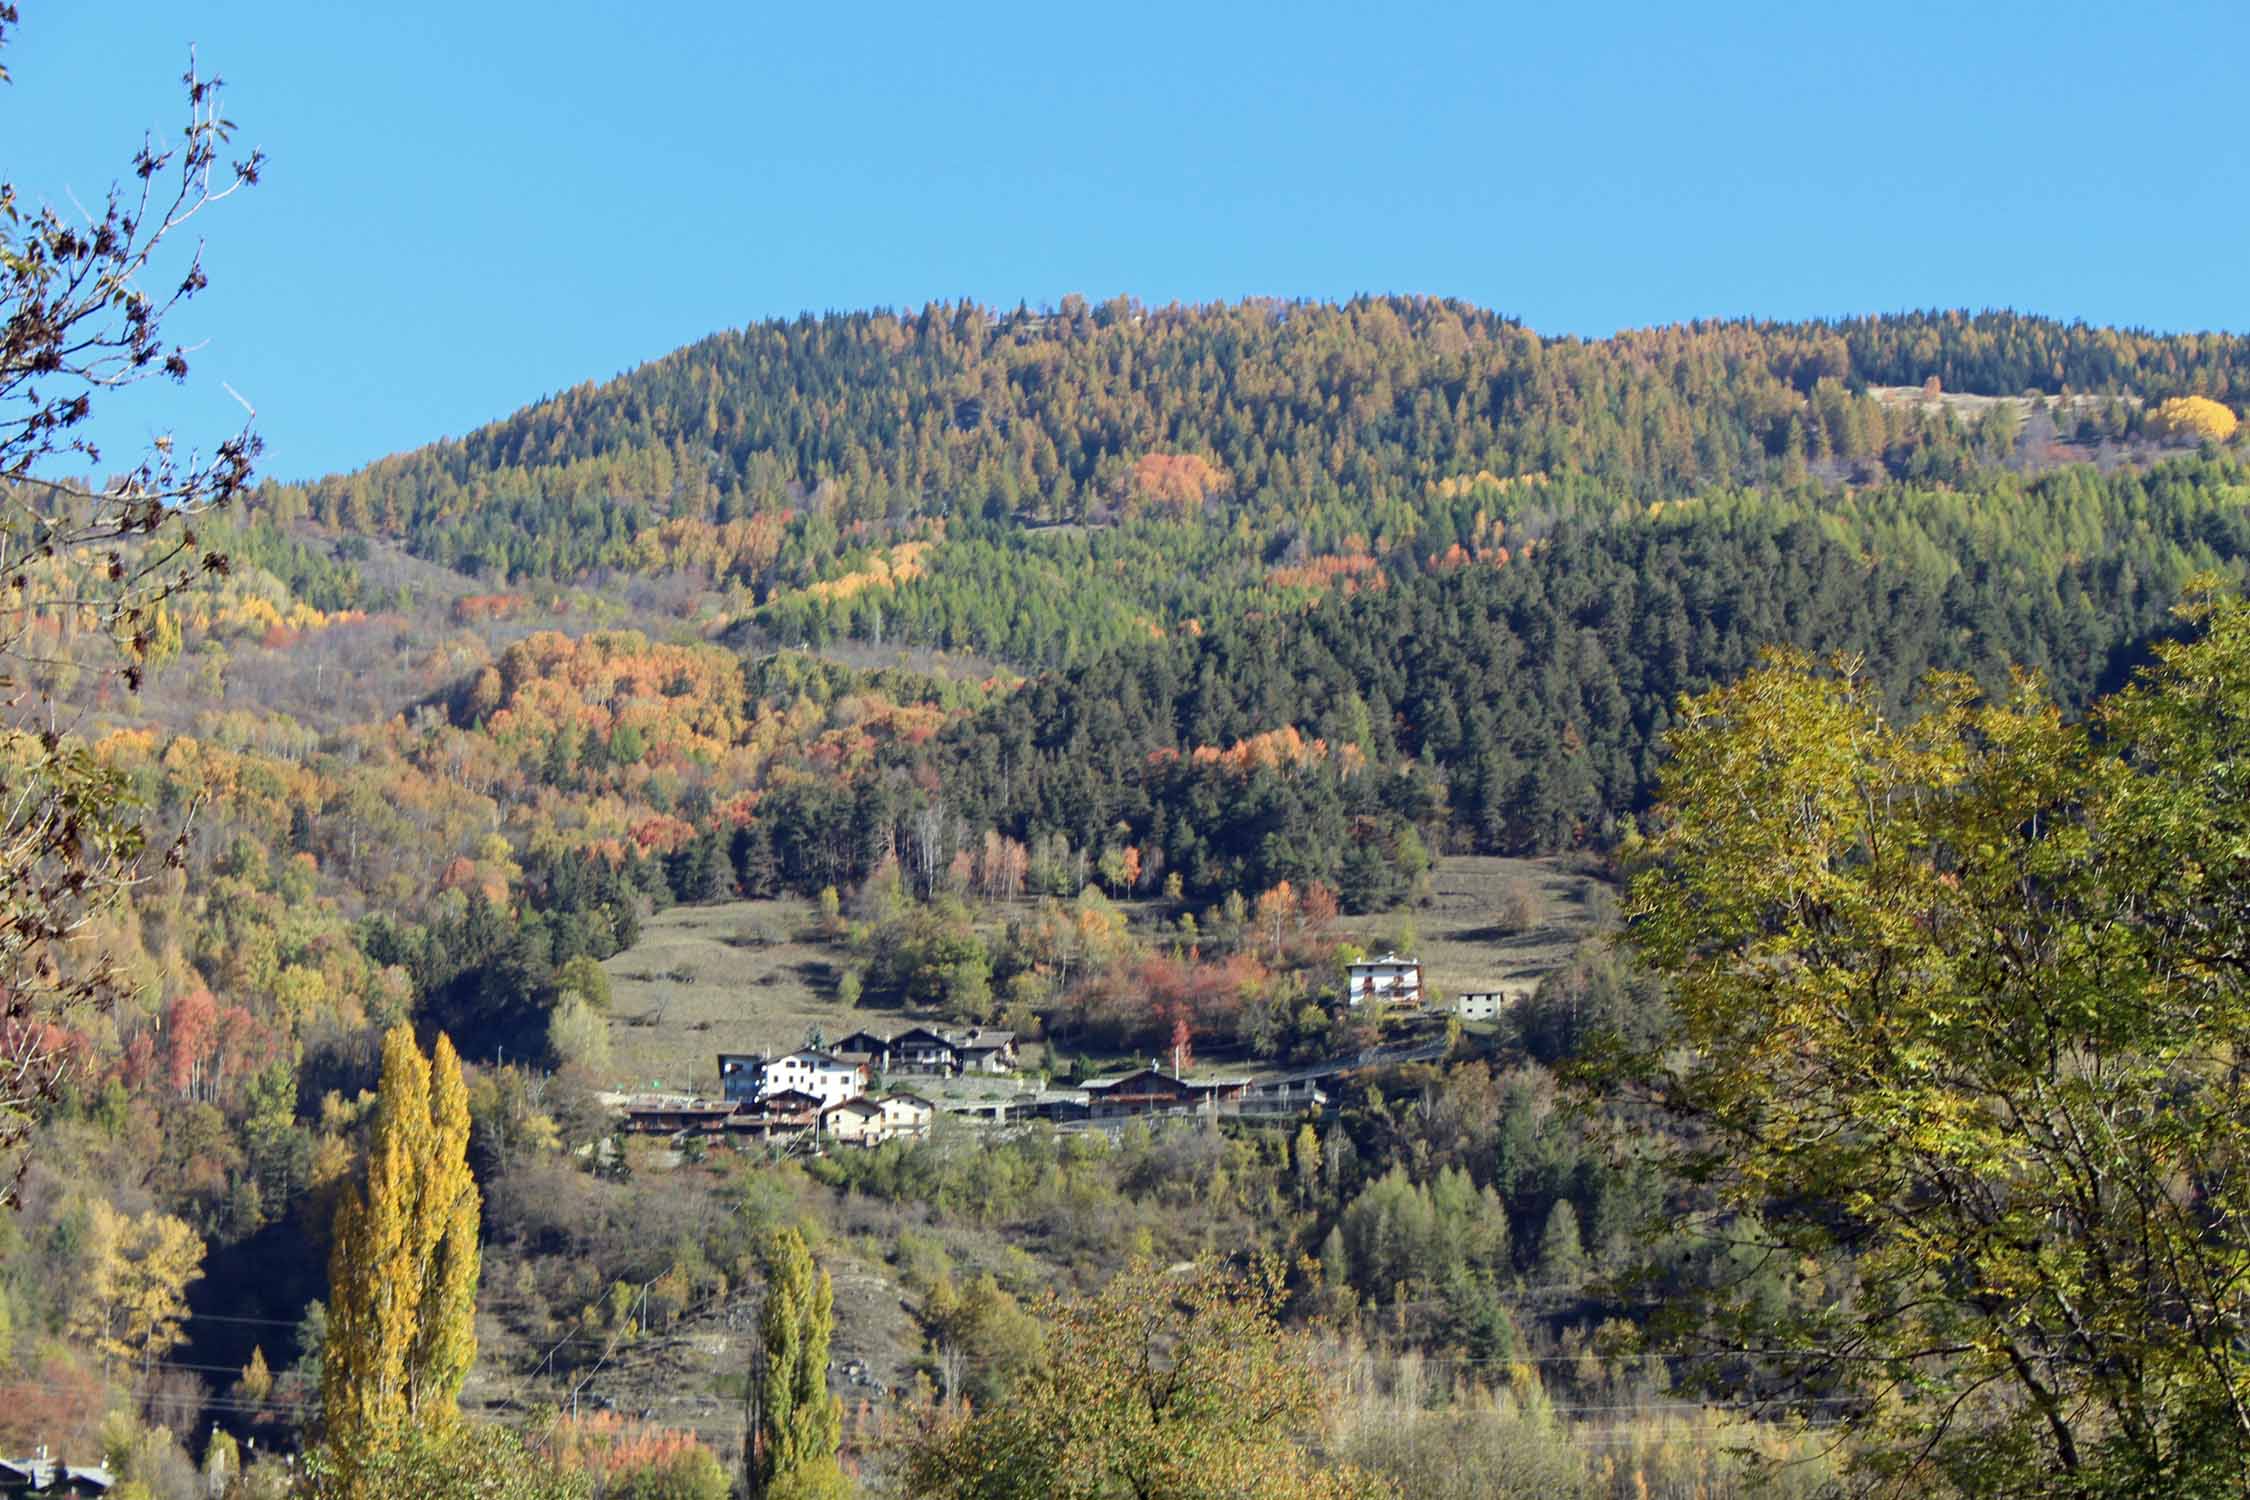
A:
(1111, 674)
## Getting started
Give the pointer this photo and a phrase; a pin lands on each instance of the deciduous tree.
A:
(796, 1424)
(2196, 417)
(403, 1273)
(82, 311)
(136, 1294)
(1165, 1386)
(1962, 1005)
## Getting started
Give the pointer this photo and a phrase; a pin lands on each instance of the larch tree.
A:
(2195, 417)
(796, 1425)
(403, 1271)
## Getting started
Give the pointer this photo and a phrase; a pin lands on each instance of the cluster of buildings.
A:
(41, 1475)
(823, 1092)
(1397, 983)
(815, 1098)
(833, 1073)
(845, 1092)
(785, 1115)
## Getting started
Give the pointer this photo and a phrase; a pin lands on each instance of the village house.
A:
(871, 1050)
(921, 1050)
(827, 1078)
(1389, 980)
(738, 1074)
(906, 1116)
(979, 1051)
(1153, 1091)
(784, 1113)
(853, 1122)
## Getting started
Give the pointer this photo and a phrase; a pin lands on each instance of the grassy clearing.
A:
(735, 977)
(1470, 941)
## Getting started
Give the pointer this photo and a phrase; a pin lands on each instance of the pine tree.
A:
(797, 1425)
(403, 1273)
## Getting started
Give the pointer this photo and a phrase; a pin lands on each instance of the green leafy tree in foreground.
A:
(1168, 1385)
(796, 1425)
(403, 1273)
(1963, 1006)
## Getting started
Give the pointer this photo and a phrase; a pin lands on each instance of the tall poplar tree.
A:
(797, 1425)
(403, 1273)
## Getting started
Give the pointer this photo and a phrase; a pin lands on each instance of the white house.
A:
(1389, 980)
(826, 1078)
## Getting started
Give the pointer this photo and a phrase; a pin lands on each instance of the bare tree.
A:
(83, 299)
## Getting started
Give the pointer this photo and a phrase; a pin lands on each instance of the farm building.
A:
(787, 1112)
(1484, 1005)
(1153, 1091)
(658, 1114)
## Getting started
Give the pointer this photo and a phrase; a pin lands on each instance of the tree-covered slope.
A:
(1331, 416)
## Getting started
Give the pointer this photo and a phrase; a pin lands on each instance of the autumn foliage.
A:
(2198, 418)
(1176, 481)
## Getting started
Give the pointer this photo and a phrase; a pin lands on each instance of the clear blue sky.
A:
(475, 203)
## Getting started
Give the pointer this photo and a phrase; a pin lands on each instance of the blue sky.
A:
(473, 204)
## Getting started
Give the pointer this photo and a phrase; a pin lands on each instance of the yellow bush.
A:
(2197, 417)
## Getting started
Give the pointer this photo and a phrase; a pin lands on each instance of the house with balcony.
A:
(1389, 980)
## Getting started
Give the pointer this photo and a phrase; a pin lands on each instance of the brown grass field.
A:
(735, 977)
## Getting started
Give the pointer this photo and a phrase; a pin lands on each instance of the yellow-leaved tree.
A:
(136, 1294)
(403, 1274)
(2196, 417)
